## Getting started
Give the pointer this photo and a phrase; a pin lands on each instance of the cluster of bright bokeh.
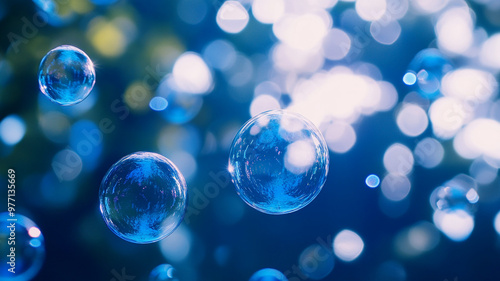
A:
(312, 96)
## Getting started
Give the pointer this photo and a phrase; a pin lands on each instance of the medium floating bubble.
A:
(66, 75)
(268, 11)
(458, 193)
(483, 172)
(163, 272)
(268, 274)
(372, 181)
(425, 72)
(27, 259)
(143, 197)
(278, 162)
(336, 44)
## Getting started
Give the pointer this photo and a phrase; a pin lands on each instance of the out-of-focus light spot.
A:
(12, 129)
(302, 32)
(137, 96)
(458, 193)
(429, 153)
(86, 138)
(268, 88)
(385, 32)
(286, 58)
(447, 116)
(347, 245)
(469, 84)
(177, 246)
(35, 243)
(268, 11)
(372, 181)
(489, 55)
(390, 270)
(222, 254)
(480, 137)
(179, 138)
(340, 136)
(67, 165)
(429, 6)
(34, 232)
(241, 71)
(316, 262)
(300, 156)
(181, 107)
(191, 74)
(371, 10)
(110, 38)
(398, 159)
(263, 103)
(454, 30)
(388, 96)
(410, 78)
(192, 11)
(455, 224)
(397, 9)
(336, 44)
(496, 223)
(429, 66)
(417, 239)
(482, 172)
(220, 54)
(412, 120)
(395, 187)
(393, 209)
(158, 103)
(185, 162)
(232, 17)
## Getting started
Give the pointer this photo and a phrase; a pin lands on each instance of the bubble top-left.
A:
(66, 75)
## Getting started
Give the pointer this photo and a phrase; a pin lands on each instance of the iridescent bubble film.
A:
(278, 162)
(66, 75)
(22, 247)
(143, 197)
(458, 193)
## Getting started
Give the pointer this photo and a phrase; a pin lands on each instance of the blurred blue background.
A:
(180, 77)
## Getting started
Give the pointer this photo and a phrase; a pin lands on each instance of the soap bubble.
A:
(29, 247)
(66, 75)
(458, 193)
(278, 162)
(163, 272)
(372, 181)
(143, 197)
(268, 274)
(426, 70)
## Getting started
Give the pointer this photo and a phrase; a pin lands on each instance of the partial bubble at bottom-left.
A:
(22, 247)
